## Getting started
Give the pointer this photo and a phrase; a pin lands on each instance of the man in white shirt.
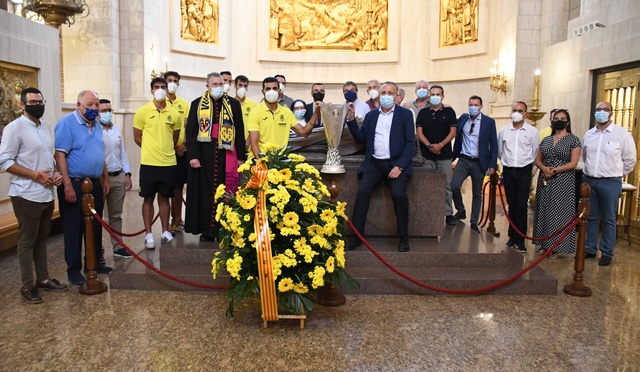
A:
(608, 154)
(350, 91)
(118, 169)
(517, 148)
(26, 152)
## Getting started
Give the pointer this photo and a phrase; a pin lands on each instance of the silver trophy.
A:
(333, 118)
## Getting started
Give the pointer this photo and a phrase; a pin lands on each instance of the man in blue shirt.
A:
(79, 154)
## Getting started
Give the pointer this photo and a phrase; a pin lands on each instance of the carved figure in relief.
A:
(458, 22)
(199, 20)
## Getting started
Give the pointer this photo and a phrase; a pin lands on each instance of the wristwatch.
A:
(128, 174)
(554, 171)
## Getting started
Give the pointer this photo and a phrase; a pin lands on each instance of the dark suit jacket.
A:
(401, 139)
(488, 141)
(307, 115)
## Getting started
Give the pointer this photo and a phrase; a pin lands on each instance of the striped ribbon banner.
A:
(268, 298)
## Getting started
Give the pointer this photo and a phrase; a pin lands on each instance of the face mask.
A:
(516, 117)
(160, 95)
(386, 101)
(373, 93)
(351, 96)
(318, 96)
(172, 87)
(300, 114)
(34, 110)
(435, 100)
(602, 116)
(105, 117)
(271, 96)
(422, 93)
(474, 110)
(90, 114)
(558, 124)
(241, 92)
(217, 92)
(225, 88)
(281, 86)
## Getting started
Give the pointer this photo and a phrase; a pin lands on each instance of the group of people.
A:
(202, 143)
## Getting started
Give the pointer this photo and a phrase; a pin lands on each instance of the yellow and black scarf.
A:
(226, 129)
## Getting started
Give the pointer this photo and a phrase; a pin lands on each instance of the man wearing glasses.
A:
(477, 150)
(436, 128)
(80, 153)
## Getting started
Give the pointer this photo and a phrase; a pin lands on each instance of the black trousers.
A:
(377, 171)
(517, 182)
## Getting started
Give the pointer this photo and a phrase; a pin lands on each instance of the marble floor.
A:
(188, 331)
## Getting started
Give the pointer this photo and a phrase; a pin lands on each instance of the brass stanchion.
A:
(577, 288)
(93, 285)
(493, 181)
(329, 294)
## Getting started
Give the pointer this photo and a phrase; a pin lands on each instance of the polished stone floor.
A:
(187, 331)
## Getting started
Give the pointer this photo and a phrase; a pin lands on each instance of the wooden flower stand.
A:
(300, 317)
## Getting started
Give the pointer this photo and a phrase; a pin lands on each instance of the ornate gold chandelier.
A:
(56, 12)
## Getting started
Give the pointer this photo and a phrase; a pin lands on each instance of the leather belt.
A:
(469, 158)
(114, 174)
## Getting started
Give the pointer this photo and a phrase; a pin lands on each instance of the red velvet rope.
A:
(150, 266)
(135, 233)
(462, 291)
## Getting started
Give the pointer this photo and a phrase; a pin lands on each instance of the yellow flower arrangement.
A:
(306, 234)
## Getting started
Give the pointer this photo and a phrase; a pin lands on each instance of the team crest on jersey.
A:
(281, 117)
(169, 117)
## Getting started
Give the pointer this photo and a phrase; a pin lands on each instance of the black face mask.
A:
(34, 110)
(318, 96)
(558, 124)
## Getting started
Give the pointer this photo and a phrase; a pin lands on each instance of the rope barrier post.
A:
(329, 294)
(493, 180)
(577, 288)
(93, 285)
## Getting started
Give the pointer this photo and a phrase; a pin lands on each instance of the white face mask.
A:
(373, 93)
(281, 87)
(217, 92)
(241, 92)
(160, 95)
(516, 117)
(172, 87)
(271, 96)
(225, 88)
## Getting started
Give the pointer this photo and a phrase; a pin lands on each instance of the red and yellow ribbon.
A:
(267, 282)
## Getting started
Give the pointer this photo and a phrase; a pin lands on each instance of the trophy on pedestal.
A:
(333, 117)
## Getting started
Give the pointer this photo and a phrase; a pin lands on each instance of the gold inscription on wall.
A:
(358, 25)
(458, 22)
(13, 79)
(199, 20)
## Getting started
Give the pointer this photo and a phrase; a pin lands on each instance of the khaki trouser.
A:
(114, 204)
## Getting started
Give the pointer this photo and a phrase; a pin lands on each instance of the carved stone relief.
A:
(13, 79)
(199, 20)
(458, 22)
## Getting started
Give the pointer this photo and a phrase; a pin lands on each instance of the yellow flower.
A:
(285, 285)
(219, 210)
(285, 173)
(290, 219)
(330, 264)
(252, 237)
(324, 190)
(339, 253)
(340, 208)
(274, 177)
(300, 288)
(247, 218)
(318, 277)
(234, 265)
(296, 158)
(331, 227)
(219, 191)
(245, 166)
(320, 241)
(315, 230)
(327, 215)
(247, 202)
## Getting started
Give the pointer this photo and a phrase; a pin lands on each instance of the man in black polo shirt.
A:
(436, 128)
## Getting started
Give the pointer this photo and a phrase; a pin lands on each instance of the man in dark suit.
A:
(317, 92)
(476, 147)
(390, 139)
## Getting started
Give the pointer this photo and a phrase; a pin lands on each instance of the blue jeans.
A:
(464, 169)
(604, 196)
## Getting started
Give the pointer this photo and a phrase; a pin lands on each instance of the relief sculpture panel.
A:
(199, 20)
(349, 25)
(458, 22)
(13, 79)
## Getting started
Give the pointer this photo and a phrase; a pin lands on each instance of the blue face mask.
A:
(105, 117)
(422, 93)
(474, 110)
(435, 100)
(386, 101)
(602, 117)
(351, 96)
(90, 114)
(300, 114)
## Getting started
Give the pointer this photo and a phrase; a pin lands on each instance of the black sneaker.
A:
(589, 255)
(511, 242)
(31, 296)
(122, 253)
(521, 248)
(461, 215)
(452, 220)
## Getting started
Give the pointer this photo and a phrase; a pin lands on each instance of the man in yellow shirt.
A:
(269, 122)
(156, 127)
(182, 106)
(247, 104)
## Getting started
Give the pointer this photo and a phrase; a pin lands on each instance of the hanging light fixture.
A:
(56, 12)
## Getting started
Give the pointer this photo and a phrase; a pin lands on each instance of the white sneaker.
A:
(166, 237)
(149, 242)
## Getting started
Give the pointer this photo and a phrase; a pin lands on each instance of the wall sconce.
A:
(155, 74)
(535, 114)
(498, 79)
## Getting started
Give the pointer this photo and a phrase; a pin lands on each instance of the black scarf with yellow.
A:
(226, 129)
